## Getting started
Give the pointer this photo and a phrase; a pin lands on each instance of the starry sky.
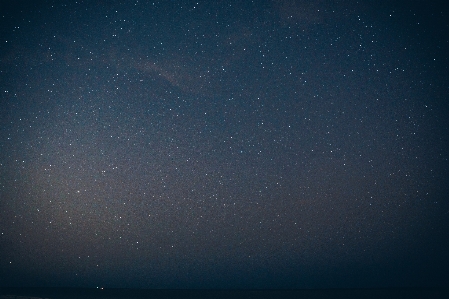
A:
(224, 144)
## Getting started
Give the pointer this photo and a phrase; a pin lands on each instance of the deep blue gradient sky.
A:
(224, 144)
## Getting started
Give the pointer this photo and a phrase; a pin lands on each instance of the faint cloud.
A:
(305, 13)
(299, 11)
(178, 71)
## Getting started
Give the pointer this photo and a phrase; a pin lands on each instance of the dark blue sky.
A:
(224, 144)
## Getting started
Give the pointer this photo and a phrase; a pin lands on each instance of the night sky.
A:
(224, 144)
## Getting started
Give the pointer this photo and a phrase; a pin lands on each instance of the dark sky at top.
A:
(224, 144)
